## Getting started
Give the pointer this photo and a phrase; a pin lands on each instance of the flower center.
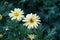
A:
(16, 14)
(31, 20)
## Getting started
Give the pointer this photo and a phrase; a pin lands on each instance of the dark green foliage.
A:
(48, 10)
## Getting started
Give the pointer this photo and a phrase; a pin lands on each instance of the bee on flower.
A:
(31, 36)
(16, 14)
(31, 21)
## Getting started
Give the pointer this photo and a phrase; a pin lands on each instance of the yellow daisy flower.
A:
(16, 14)
(32, 21)
(31, 36)
(1, 35)
(0, 17)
